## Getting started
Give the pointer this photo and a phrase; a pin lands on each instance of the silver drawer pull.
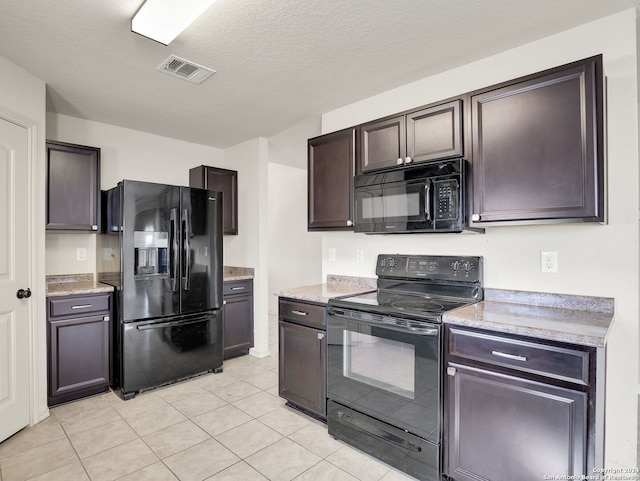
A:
(300, 313)
(237, 288)
(509, 356)
(82, 306)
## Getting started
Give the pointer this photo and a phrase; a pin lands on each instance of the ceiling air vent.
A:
(186, 70)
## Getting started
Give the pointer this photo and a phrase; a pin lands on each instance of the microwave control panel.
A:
(447, 199)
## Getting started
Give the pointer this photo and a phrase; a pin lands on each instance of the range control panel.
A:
(452, 268)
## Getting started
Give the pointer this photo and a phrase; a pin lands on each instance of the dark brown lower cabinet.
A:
(238, 317)
(303, 355)
(516, 408)
(79, 346)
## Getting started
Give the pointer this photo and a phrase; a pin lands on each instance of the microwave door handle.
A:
(174, 251)
(427, 201)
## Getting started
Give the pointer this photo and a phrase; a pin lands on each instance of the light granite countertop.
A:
(336, 286)
(232, 273)
(75, 284)
(566, 318)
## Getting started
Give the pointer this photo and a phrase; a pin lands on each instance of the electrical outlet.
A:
(332, 254)
(359, 255)
(549, 261)
(81, 254)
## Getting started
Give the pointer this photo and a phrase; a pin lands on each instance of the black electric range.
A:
(384, 352)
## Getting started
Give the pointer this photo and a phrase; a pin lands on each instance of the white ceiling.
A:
(277, 61)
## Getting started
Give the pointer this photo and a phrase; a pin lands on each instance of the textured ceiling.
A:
(277, 61)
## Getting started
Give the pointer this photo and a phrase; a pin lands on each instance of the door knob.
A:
(23, 293)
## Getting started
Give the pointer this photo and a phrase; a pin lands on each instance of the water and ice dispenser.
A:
(151, 253)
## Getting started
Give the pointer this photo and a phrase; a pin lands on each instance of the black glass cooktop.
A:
(402, 304)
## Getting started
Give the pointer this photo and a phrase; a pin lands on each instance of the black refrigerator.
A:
(162, 251)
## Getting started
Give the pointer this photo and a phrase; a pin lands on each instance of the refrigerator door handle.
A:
(163, 325)
(187, 248)
(174, 250)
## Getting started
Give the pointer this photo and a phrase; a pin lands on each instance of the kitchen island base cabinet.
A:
(79, 346)
(303, 356)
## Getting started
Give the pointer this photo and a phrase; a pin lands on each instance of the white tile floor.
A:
(217, 427)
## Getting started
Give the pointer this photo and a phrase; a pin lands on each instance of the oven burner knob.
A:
(455, 266)
(392, 262)
(467, 266)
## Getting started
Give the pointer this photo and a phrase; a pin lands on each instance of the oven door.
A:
(388, 371)
(393, 207)
(383, 388)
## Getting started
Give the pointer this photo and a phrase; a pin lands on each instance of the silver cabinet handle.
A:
(82, 306)
(399, 161)
(237, 288)
(300, 313)
(514, 357)
(349, 223)
(408, 160)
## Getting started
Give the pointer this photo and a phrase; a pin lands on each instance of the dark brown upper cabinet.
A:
(331, 161)
(537, 146)
(73, 187)
(222, 180)
(431, 133)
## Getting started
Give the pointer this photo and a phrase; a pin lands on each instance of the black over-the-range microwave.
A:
(421, 198)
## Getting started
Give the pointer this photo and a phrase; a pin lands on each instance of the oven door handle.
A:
(421, 331)
(162, 325)
(380, 433)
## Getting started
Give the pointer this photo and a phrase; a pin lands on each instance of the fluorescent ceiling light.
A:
(164, 20)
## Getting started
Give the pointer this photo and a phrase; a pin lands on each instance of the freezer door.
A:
(161, 351)
(201, 255)
(150, 250)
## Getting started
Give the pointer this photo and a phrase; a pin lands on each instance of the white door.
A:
(14, 274)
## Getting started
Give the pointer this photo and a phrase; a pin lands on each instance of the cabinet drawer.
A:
(537, 358)
(72, 306)
(231, 288)
(312, 315)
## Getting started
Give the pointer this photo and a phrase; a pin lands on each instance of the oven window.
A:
(381, 363)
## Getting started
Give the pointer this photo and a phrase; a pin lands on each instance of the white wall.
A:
(599, 260)
(249, 247)
(295, 255)
(24, 101)
(124, 154)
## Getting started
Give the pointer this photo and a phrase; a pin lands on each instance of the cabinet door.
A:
(73, 187)
(78, 357)
(537, 147)
(222, 180)
(502, 428)
(302, 367)
(330, 168)
(435, 133)
(238, 325)
(382, 144)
